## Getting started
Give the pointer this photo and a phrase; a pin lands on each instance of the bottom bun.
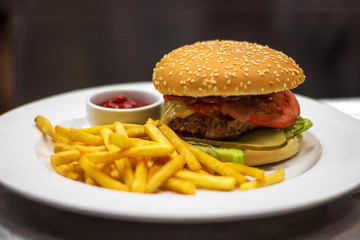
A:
(256, 158)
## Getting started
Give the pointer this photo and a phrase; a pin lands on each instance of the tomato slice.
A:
(277, 110)
(281, 111)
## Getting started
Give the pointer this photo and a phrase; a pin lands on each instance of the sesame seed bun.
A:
(225, 68)
(256, 157)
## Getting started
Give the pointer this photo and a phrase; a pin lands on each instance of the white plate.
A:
(326, 168)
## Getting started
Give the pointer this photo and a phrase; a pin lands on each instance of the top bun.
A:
(225, 68)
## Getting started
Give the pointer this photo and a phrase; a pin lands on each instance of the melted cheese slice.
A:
(173, 109)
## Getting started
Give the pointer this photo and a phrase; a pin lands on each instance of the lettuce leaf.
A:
(223, 154)
(301, 125)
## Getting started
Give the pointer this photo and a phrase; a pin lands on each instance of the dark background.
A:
(53, 46)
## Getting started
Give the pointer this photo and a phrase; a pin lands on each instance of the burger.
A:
(233, 100)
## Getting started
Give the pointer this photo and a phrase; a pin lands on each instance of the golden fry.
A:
(154, 133)
(179, 186)
(105, 133)
(125, 170)
(101, 178)
(140, 176)
(180, 146)
(137, 132)
(62, 131)
(248, 171)
(216, 165)
(64, 157)
(270, 179)
(89, 180)
(86, 138)
(61, 147)
(120, 137)
(143, 142)
(165, 172)
(207, 181)
(141, 151)
(66, 171)
(45, 126)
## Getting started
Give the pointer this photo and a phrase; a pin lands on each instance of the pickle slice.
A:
(258, 139)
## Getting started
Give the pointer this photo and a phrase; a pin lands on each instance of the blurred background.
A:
(52, 46)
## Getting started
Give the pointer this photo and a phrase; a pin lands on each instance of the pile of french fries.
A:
(145, 158)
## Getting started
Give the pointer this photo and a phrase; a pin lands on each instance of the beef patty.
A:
(215, 127)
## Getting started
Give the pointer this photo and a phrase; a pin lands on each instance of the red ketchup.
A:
(122, 102)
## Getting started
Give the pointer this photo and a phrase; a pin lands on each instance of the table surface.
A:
(21, 218)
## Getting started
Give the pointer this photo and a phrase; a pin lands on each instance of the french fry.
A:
(66, 171)
(140, 176)
(75, 166)
(95, 130)
(141, 151)
(45, 126)
(137, 132)
(180, 146)
(62, 131)
(86, 138)
(143, 142)
(216, 165)
(165, 172)
(90, 149)
(64, 157)
(154, 133)
(125, 170)
(270, 179)
(207, 181)
(61, 147)
(105, 133)
(89, 180)
(101, 178)
(179, 186)
(248, 171)
(120, 137)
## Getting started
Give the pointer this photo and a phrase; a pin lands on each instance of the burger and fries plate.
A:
(326, 168)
